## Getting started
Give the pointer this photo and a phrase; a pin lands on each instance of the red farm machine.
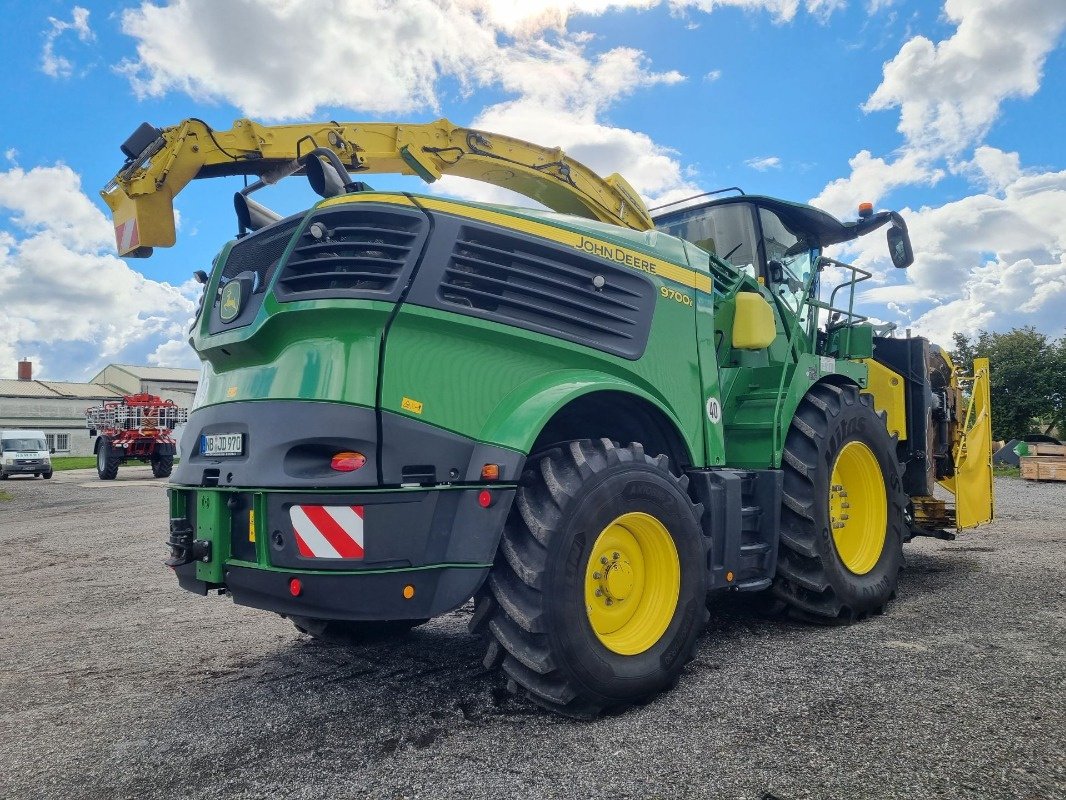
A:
(137, 427)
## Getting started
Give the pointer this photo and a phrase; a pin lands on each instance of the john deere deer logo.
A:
(231, 301)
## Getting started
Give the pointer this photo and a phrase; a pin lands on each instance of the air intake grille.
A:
(360, 252)
(260, 252)
(554, 290)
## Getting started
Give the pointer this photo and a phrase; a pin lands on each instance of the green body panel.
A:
(500, 384)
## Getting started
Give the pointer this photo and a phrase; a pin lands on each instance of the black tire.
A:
(532, 608)
(344, 632)
(3, 476)
(812, 579)
(47, 475)
(162, 466)
(106, 461)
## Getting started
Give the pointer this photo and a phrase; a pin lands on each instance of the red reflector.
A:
(347, 462)
(485, 498)
(295, 587)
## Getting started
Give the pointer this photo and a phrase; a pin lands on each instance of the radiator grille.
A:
(260, 252)
(361, 253)
(556, 290)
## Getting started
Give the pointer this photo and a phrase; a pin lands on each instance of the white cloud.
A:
(764, 163)
(56, 65)
(993, 168)
(713, 75)
(872, 178)
(984, 261)
(949, 94)
(63, 292)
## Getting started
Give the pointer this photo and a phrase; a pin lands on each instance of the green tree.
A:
(1028, 386)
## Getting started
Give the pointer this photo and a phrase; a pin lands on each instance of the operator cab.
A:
(777, 242)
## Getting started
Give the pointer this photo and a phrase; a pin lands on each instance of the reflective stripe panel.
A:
(328, 531)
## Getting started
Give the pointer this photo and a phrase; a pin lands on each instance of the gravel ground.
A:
(115, 684)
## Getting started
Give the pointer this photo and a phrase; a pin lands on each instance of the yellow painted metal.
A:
(691, 278)
(142, 193)
(753, 325)
(632, 583)
(973, 454)
(887, 387)
(858, 507)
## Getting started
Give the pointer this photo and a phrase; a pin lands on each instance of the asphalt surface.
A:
(116, 684)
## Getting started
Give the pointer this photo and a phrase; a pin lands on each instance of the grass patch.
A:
(61, 463)
(72, 462)
(1006, 471)
(5, 496)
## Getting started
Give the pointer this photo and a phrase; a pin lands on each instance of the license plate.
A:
(222, 444)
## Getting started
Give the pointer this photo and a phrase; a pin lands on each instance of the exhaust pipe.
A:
(251, 216)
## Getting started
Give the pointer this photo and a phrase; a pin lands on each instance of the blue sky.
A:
(949, 111)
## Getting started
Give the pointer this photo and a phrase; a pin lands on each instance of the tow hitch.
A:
(183, 548)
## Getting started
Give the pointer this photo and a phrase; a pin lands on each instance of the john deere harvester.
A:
(589, 420)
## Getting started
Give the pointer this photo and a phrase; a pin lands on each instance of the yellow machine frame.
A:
(141, 195)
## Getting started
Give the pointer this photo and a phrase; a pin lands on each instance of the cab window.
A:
(725, 231)
(790, 261)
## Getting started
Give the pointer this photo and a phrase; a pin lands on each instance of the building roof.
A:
(64, 389)
(158, 373)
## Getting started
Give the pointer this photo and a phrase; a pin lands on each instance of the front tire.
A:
(598, 592)
(106, 462)
(162, 466)
(47, 475)
(842, 519)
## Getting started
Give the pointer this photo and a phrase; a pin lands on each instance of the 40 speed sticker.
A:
(714, 410)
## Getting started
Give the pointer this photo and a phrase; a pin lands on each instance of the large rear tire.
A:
(106, 461)
(162, 466)
(343, 632)
(842, 520)
(598, 592)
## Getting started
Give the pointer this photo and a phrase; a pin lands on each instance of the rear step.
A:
(742, 515)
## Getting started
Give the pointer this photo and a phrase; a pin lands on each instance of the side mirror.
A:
(899, 247)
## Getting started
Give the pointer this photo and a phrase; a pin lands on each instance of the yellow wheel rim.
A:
(632, 582)
(858, 508)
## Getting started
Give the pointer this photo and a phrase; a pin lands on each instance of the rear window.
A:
(21, 444)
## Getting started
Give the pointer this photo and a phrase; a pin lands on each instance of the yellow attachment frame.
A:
(888, 389)
(141, 196)
(972, 451)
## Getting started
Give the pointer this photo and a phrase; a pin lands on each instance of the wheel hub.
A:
(632, 583)
(858, 507)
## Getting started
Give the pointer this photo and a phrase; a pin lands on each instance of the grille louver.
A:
(537, 286)
(363, 254)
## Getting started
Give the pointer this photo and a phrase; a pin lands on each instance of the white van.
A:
(24, 452)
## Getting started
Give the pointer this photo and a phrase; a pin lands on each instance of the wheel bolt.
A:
(603, 559)
(599, 592)
(610, 602)
(615, 556)
(597, 575)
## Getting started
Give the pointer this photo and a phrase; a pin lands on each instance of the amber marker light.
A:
(490, 472)
(347, 461)
(408, 592)
(866, 209)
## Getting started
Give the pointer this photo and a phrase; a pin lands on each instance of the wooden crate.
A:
(1044, 468)
(1045, 449)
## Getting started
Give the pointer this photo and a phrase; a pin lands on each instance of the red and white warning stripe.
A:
(126, 235)
(328, 531)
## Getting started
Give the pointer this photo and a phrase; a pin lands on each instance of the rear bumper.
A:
(369, 597)
(439, 542)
